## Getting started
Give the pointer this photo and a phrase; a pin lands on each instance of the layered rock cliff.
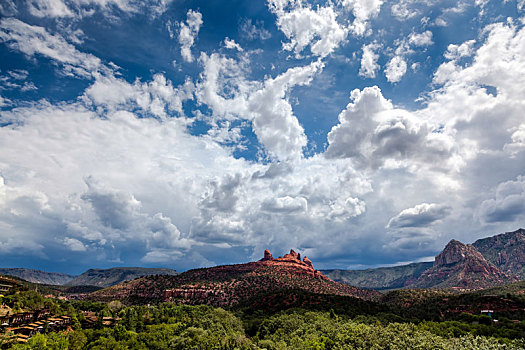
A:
(506, 251)
(461, 266)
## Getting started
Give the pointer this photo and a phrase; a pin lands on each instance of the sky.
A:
(186, 134)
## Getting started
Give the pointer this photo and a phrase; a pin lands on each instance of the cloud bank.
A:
(292, 130)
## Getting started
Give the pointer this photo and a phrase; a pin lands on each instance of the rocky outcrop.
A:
(308, 262)
(506, 251)
(461, 266)
(267, 256)
(295, 258)
(502, 258)
(292, 255)
(456, 252)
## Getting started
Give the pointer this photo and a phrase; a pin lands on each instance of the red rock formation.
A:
(455, 252)
(197, 295)
(308, 262)
(462, 265)
(292, 255)
(267, 256)
(506, 251)
(502, 258)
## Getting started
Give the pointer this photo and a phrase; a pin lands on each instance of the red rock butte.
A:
(293, 258)
(228, 285)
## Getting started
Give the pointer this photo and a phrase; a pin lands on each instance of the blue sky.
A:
(184, 134)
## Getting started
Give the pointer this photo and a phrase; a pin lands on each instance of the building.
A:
(487, 312)
(6, 284)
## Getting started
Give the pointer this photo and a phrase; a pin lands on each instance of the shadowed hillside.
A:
(230, 285)
(37, 276)
(116, 275)
(380, 278)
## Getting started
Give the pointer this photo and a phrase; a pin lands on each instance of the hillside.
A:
(37, 276)
(116, 275)
(506, 251)
(453, 304)
(231, 285)
(461, 266)
(380, 278)
(488, 262)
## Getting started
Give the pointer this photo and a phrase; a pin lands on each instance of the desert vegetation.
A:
(357, 325)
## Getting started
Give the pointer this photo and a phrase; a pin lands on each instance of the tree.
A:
(39, 341)
(77, 340)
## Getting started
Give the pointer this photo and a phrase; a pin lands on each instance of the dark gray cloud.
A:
(273, 171)
(223, 194)
(285, 205)
(114, 209)
(508, 204)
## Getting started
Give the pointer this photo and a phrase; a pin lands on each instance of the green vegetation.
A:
(441, 305)
(32, 300)
(205, 327)
(358, 325)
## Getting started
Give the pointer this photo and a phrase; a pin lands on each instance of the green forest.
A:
(171, 326)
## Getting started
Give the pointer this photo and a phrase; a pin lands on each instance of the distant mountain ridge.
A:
(380, 278)
(92, 277)
(488, 262)
(110, 277)
(38, 276)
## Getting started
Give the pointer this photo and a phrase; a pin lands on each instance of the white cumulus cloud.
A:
(188, 32)
(305, 26)
(395, 69)
(363, 11)
(508, 203)
(421, 215)
(369, 65)
(422, 39)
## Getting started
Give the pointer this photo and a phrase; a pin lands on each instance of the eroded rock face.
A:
(506, 251)
(293, 259)
(308, 262)
(456, 252)
(462, 266)
(292, 255)
(502, 258)
(267, 255)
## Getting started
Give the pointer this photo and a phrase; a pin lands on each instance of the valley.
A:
(461, 300)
